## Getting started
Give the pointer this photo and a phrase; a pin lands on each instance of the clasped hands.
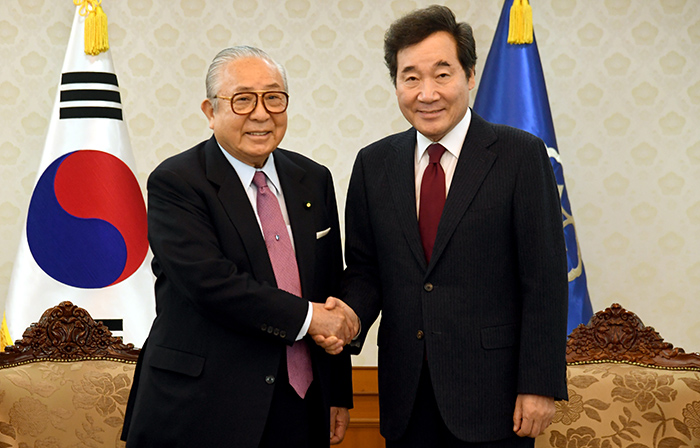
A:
(333, 325)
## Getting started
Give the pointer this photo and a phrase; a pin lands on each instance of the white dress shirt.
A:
(452, 142)
(245, 175)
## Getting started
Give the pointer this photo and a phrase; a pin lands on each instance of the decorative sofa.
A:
(65, 383)
(627, 388)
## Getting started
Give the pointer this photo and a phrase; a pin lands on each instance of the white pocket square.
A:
(322, 233)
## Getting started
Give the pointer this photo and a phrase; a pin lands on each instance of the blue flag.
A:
(512, 92)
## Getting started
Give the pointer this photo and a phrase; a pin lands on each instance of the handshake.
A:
(333, 325)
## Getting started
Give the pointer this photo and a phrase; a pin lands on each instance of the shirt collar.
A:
(246, 172)
(452, 141)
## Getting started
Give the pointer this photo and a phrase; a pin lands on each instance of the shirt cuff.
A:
(307, 323)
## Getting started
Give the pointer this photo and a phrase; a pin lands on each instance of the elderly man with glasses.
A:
(247, 257)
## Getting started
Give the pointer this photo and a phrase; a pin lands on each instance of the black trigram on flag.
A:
(90, 95)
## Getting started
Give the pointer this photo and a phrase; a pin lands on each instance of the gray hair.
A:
(229, 55)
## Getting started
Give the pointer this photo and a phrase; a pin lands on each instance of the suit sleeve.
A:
(341, 366)
(187, 249)
(542, 268)
(361, 282)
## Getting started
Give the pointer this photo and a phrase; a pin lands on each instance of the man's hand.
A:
(332, 345)
(340, 417)
(533, 413)
(333, 325)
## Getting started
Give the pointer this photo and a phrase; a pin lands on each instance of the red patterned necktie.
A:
(284, 264)
(432, 199)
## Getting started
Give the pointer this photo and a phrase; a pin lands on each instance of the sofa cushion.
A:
(632, 406)
(55, 404)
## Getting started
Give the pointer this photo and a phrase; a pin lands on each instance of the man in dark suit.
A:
(472, 288)
(246, 250)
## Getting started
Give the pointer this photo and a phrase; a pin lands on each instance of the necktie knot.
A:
(435, 152)
(260, 180)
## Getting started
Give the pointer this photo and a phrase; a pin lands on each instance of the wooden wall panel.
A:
(363, 431)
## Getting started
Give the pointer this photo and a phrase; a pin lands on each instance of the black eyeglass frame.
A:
(258, 94)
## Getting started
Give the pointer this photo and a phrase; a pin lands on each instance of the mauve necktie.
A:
(284, 264)
(432, 199)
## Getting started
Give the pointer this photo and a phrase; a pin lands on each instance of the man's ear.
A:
(471, 80)
(208, 109)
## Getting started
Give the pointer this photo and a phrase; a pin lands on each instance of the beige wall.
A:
(623, 79)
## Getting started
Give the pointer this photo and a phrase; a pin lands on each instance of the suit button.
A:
(428, 287)
(276, 332)
(270, 379)
(420, 334)
(263, 327)
(270, 330)
(283, 334)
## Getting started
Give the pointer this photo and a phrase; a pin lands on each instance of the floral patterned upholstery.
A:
(65, 384)
(622, 405)
(64, 404)
(627, 388)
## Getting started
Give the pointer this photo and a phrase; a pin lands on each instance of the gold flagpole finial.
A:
(5, 338)
(96, 38)
(520, 27)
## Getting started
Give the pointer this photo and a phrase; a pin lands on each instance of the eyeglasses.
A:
(243, 103)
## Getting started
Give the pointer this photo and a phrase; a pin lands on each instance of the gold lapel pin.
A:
(307, 205)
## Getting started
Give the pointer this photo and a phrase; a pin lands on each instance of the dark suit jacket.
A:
(490, 308)
(207, 372)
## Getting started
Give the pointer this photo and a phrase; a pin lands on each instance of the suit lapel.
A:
(301, 217)
(400, 170)
(475, 161)
(234, 200)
